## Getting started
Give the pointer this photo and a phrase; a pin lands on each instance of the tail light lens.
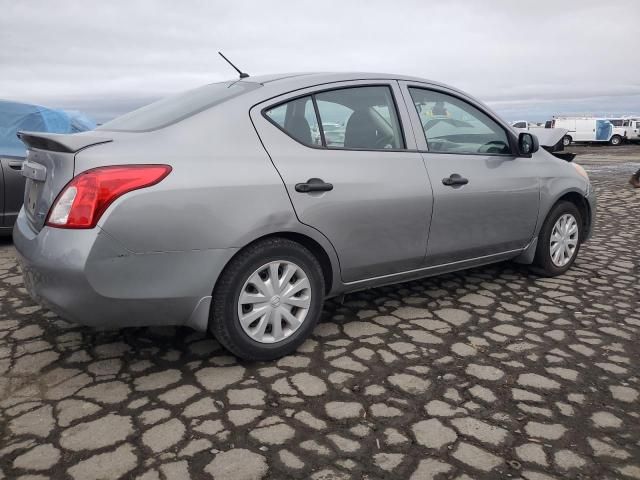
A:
(85, 198)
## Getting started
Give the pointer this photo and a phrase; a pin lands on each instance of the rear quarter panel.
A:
(223, 190)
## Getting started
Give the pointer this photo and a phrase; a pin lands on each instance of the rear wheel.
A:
(566, 140)
(558, 240)
(615, 140)
(268, 300)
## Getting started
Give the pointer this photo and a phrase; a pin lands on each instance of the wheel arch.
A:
(328, 263)
(318, 251)
(619, 137)
(583, 207)
(581, 203)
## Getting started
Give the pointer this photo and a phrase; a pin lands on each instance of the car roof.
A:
(296, 80)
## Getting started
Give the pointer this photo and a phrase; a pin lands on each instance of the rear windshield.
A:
(178, 107)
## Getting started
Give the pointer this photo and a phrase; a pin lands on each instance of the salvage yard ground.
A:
(489, 373)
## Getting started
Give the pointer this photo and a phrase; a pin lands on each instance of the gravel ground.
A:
(489, 373)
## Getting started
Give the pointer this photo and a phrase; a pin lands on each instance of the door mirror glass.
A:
(527, 144)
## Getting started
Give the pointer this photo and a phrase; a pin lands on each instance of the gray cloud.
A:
(524, 58)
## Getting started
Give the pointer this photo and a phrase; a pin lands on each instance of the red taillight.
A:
(85, 198)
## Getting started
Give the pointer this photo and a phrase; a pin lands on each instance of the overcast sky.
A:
(527, 59)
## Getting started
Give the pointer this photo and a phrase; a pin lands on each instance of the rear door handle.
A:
(16, 165)
(454, 179)
(314, 185)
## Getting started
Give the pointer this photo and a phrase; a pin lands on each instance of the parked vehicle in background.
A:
(590, 129)
(215, 209)
(14, 117)
(526, 125)
(333, 133)
(632, 126)
(551, 139)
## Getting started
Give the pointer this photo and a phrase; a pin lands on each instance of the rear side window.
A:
(298, 119)
(452, 125)
(360, 117)
(363, 118)
(171, 110)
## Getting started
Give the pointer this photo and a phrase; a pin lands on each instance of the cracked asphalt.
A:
(487, 373)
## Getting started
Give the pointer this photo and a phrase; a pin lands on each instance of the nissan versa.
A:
(240, 206)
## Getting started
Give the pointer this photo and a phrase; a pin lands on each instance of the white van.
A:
(590, 129)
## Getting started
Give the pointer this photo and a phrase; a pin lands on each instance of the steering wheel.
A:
(494, 146)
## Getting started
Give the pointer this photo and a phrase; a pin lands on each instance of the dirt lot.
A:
(489, 373)
(602, 153)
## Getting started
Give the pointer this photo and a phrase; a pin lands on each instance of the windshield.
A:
(178, 107)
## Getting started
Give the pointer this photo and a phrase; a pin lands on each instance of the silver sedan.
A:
(240, 206)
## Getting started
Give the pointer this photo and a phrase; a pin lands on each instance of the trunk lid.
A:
(49, 166)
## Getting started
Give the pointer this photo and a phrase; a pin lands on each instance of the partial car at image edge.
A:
(228, 209)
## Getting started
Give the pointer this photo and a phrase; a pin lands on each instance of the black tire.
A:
(543, 263)
(615, 140)
(566, 140)
(224, 322)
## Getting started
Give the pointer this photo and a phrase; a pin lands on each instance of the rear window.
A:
(178, 107)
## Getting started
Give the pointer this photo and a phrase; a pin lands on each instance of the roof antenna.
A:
(242, 74)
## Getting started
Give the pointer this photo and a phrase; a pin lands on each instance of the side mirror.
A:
(527, 144)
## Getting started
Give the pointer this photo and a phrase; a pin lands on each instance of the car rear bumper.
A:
(87, 277)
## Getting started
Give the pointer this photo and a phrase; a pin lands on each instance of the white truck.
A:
(590, 129)
(551, 139)
(632, 126)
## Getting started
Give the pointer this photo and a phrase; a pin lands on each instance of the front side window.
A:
(298, 119)
(360, 118)
(452, 125)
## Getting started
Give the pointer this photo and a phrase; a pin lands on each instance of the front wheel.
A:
(566, 140)
(558, 240)
(615, 140)
(268, 300)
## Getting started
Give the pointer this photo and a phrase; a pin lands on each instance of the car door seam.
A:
(284, 185)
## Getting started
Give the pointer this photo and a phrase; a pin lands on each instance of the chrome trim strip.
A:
(424, 269)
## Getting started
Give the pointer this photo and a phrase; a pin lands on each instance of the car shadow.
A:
(175, 346)
(5, 240)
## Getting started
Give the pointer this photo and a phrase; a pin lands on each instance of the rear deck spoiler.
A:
(62, 142)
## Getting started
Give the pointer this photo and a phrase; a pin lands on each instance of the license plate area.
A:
(32, 189)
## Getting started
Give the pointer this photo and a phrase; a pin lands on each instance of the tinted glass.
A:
(360, 117)
(298, 119)
(454, 126)
(173, 109)
(520, 125)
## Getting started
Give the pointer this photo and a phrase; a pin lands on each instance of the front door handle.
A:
(16, 165)
(454, 179)
(314, 185)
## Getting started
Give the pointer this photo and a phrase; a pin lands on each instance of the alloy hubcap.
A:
(274, 301)
(564, 240)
